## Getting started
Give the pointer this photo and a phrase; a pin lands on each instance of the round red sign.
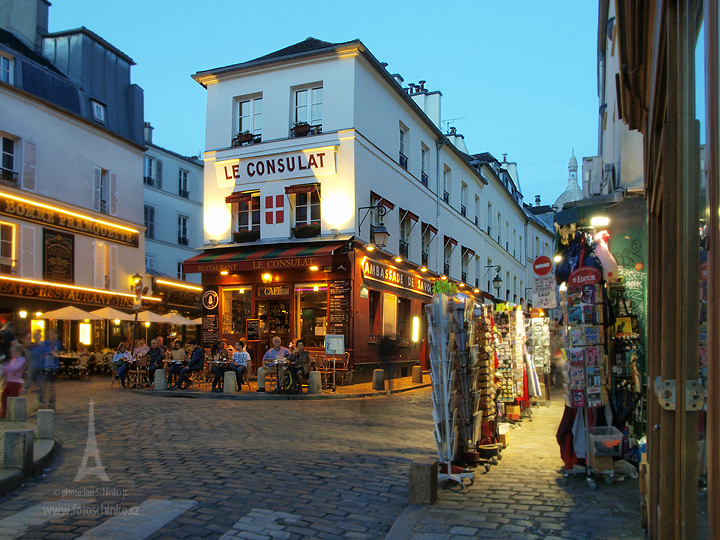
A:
(542, 265)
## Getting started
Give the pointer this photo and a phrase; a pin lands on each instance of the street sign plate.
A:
(542, 265)
(544, 300)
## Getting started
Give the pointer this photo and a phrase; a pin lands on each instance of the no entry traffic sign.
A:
(542, 265)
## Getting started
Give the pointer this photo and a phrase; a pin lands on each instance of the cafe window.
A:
(249, 214)
(311, 304)
(375, 312)
(236, 309)
(404, 326)
(307, 208)
(7, 233)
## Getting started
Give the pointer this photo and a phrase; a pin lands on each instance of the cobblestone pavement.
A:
(524, 496)
(257, 469)
(324, 469)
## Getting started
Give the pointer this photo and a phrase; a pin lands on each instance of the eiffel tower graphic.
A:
(91, 451)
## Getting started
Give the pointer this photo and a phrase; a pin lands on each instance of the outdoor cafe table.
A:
(67, 361)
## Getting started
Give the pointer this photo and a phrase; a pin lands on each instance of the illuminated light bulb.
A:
(224, 272)
(314, 268)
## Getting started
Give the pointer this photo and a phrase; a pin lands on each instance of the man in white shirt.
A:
(277, 352)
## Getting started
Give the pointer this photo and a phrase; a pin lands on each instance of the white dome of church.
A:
(572, 192)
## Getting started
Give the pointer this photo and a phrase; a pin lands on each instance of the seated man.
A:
(197, 360)
(299, 364)
(219, 355)
(277, 352)
(239, 363)
(156, 355)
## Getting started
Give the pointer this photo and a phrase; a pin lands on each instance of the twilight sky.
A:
(517, 77)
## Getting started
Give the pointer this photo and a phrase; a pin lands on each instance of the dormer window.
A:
(98, 111)
(6, 69)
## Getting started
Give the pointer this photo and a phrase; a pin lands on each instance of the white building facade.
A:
(310, 148)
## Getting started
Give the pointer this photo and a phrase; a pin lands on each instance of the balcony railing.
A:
(149, 181)
(446, 269)
(183, 241)
(446, 197)
(463, 277)
(8, 175)
(424, 179)
(103, 206)
(404, 249)
(477, 283)
(150, 231)
(402, 160)
(488, 229)
(463, 210)
(425, 258)
(476, 221)
(184, 193)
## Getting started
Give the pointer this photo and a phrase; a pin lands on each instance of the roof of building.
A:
(190, 159)
(92, 35)
(15, 43)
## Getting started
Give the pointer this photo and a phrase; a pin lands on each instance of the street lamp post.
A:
(378, 233)
(497, 280)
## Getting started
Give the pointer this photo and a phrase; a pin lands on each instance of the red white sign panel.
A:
(587, 275)
(137, 301)
(542, 265)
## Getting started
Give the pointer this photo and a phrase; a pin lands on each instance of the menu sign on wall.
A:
(339, 308)
(58, 256)
(211, 317)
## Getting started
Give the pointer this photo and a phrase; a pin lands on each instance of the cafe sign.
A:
(389, 275)
(23, 289)
(46, 215)
(273, 290)
(306, 163)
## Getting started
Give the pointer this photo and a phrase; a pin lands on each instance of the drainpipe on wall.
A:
(440, 247)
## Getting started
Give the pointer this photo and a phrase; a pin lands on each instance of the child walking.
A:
(13, 371)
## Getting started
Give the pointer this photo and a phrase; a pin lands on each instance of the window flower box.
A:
(243, 137)
(245, 235)
(301, 129)
(306, 231)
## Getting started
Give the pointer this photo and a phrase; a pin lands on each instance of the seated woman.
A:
(219, 354)
(121, 362)
(179, 359)
(299, 365)
(239, 363)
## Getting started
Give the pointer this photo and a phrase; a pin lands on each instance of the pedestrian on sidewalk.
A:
(36, 365)
(13, 372)
(387, 352)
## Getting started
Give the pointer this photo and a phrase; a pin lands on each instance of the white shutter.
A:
(27, 256)
(29, 159)
(113, 194)
(98, 189)
(113, 268)
(158, 168)
(99, 265)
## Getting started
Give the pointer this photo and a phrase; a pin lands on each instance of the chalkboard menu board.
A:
(339, 308)
(252, 329)
(58, 256)
(210, 330)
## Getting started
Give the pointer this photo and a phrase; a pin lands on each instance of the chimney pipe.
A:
(537, 200)
(504, 158)
(147, 129)
(422, 85)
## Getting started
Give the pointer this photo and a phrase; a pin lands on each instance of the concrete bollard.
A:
(17, 409)
(230, 383)
(417, 374)
(379, 379)
(423, 484)
(45, 423)
(314, 383)
(160, 379)
(19, 446)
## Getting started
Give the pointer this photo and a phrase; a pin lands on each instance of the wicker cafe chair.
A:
(139, 372)
(81, 368)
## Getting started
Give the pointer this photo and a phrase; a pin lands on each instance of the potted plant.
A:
(301, 128)
(306, 230)
(244, 235)
(244, 137)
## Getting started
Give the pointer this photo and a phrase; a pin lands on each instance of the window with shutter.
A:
(97, 194)
(113, 194)
(99, 265)
(27, 257)
(159, 168)
(113, 268)
(29, 158)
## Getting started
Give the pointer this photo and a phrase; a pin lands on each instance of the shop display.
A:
(539, 343)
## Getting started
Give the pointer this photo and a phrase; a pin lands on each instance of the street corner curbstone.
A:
(45, 423)
(19, 445)
(423, 484)
(17, 409)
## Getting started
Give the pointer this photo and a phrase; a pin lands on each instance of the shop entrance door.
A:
(274, 318)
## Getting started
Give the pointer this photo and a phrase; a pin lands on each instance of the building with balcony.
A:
(72, 152)
(313, 151)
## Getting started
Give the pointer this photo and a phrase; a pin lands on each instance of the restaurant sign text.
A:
(261, 264)
(62, 294)
(69, 222)
(390, 275)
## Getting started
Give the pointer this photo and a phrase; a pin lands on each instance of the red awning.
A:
(261, 258)
(409, 214)
(387, 204)
(428, 227)
(305, 188)
(238, 198)
(450, 240)
(467, 251)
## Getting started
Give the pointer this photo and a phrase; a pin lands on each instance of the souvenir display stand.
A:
(539, 349)
(586, 371)
(446, 335)
(484, 334)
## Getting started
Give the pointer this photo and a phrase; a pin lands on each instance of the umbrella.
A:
(149, 316)
(178, 319)
(197, 321)
(70, 313)
(111, 314)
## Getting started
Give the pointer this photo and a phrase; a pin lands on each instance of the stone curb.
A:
(248, 396)
(44, 451)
